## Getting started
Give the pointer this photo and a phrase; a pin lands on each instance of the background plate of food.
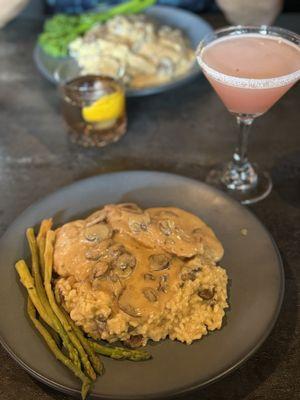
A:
(169, 263)
(150, 52)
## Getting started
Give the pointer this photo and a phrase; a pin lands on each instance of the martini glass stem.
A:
(240, 154)
(239, 174)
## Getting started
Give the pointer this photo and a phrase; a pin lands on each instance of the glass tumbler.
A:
(93, 106)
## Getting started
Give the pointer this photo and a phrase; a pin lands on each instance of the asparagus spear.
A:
(28, 282)
(95, 360)
(120, 353)
(60, 315)
(44, 228)
(86, 382)
(52, 332)
(36, 270)
(46, 224)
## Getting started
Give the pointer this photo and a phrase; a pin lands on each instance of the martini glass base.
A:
(251, 195)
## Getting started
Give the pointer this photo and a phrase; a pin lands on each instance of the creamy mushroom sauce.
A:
(123, 267)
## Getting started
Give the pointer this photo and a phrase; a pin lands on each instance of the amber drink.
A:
(94, 109)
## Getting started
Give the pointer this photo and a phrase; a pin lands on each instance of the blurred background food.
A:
(134, 48)
(60, 30)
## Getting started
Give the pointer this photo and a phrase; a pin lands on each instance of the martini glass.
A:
(250, 68)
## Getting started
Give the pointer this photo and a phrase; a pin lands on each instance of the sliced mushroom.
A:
(139, 223)
(101, 322)
(97, 232)
(166, 226)
(206, 294)
(115, 250)
(118, 287)
(130, 310)
(188, 276)
(137, 227)
(149, 277)
(193, 267)
(125, 306)
(150, 294)
(126, 260)
(158, 262)
(163, 283)
(93, 254)
(124, 265)
(99, 270)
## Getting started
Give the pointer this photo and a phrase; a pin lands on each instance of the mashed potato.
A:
(132, 275)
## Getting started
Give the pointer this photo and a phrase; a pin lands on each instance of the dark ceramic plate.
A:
(194, 27)
(255, 291)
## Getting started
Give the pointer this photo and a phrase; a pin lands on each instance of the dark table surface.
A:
(184, 131)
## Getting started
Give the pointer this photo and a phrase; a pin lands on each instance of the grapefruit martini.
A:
(250, 68)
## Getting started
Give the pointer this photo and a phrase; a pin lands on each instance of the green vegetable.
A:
(50, 238)
(28, 282)
(95, 360)
(63, 337)
(61, 30)
(86, 382)
(46, 225)
(37, 269)
(120, 353)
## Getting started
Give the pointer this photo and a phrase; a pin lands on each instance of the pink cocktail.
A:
(250, 68)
